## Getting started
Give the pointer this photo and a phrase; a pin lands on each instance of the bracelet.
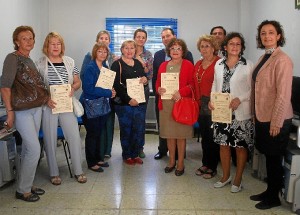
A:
(9, 110)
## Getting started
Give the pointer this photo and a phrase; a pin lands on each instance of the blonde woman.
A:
(58, 69)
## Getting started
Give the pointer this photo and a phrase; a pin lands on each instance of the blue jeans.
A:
(132, 128)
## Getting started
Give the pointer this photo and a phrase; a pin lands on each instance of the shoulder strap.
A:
(120, 71)
(62, 81)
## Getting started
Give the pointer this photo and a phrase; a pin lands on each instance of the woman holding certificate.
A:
(94, 124)
(107, 134)
(130, 103)
(174, 80)
(233, 77)
(204, 77)
(59, 70)
(272, 87)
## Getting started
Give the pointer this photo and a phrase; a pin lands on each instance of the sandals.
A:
(81, 178)
(209, 174)
(55, 180)
(202, 170)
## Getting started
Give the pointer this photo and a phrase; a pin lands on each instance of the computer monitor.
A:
(296, 95)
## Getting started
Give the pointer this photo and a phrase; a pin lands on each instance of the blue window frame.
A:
(122, 29)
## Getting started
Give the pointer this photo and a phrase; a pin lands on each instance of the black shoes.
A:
(179, 172)
(37, 191)
(159, 156)
(259, 197)
(267, 204)
(33, 197)
(169, 169)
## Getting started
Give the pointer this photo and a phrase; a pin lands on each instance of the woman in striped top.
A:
(58, 69)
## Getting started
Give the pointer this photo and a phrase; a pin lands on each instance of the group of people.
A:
(260, 104)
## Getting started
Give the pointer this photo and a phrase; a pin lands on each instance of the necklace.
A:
(199, 78)
(27, 56)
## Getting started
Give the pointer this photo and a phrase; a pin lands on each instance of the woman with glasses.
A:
(175, 133)
(233, 76)
(204, 77)
(94, 126)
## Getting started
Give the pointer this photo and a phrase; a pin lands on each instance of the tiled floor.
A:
(141, 189)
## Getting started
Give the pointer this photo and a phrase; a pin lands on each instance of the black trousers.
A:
(210, 150)
(273, 148)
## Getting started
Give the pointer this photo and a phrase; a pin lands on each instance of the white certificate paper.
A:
(135, 89)
(60, 95)
(169, 81)
(222, 113)
(106, 78)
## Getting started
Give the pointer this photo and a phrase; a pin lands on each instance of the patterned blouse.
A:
(228, 73)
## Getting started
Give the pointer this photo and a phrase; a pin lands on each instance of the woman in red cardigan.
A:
(204, 77)
(175, 133)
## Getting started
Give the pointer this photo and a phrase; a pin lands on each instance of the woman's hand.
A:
(8, 124)
(274, 131)
(133, 103)
(234, 104)
(113, 93)
(211, 106)
(72, 92)
(51, 104)
(143, 80)
(176, 96)
(161, 91)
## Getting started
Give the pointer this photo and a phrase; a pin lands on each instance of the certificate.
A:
(60, 95)
(169, 81)
(135, 89)
(222, 113)
(106, 78)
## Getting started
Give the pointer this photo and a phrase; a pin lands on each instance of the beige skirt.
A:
(169, 128)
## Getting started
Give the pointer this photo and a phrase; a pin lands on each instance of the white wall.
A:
(22, 12)
(253, 12)
(80, 21)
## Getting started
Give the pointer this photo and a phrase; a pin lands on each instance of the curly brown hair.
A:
(279, 30)
(180, 42)
(211, 40)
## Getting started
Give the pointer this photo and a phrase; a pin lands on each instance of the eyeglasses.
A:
(205, 47)
(176, 49)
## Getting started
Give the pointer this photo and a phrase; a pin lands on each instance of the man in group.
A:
(159, 57)
(220, 33)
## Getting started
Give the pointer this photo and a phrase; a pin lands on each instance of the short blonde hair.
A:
(127, 42)
(211, 40)
(47, 40)
(98, 46)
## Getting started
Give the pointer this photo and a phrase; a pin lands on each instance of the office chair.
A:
(61, 137)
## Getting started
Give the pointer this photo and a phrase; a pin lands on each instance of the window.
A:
(122, 29)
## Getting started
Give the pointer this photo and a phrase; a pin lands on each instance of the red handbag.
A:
(186, 110)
